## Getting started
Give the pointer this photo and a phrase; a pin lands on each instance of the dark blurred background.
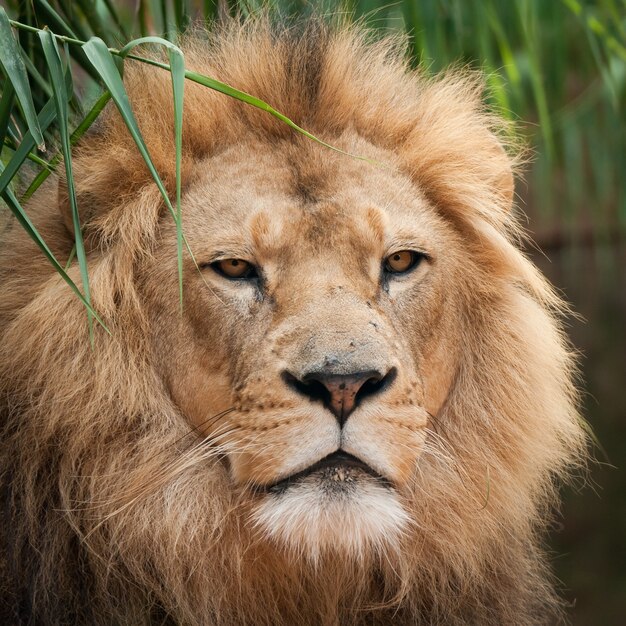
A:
(589, 543)
(557, 69)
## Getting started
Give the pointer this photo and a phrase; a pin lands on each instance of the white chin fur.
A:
(312, 517)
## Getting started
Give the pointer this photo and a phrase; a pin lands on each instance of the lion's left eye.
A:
(402, 261)
(234, 268)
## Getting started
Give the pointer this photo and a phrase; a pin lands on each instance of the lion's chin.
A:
(334, 510)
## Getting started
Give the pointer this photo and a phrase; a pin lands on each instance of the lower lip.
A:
(337, 464)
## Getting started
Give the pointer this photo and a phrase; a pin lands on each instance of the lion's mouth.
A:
(338, 467)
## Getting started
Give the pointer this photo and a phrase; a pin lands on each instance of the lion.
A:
(364, 408)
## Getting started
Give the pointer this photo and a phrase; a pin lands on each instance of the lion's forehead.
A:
(267, 207)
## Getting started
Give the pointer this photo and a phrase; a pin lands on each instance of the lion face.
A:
(364, 408)
(311, 351)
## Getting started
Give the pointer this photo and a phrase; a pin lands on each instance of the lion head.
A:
(361, 410)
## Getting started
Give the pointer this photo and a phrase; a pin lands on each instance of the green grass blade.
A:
(142, 15)
(45, 118)
(34, 73)
(79, 131)
(209, 10)
(24, 221)
(177, 65)
(57, 74)
(529, 32)
(166, 26)
(211, 83)
(6, 104)
(31, 156)
(217, 85)
(506, 53)
(103, 62)
(60, 25)
(11, 60)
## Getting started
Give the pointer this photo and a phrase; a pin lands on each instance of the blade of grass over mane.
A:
(79, 131)
(11, 60)
(57, 74)
(102, 60)
(16, 208)
(216, 85)
(177, 65)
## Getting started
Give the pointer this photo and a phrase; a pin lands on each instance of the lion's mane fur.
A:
(113, 513)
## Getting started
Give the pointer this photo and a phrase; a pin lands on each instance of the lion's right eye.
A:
(402, 261)
(234, 268)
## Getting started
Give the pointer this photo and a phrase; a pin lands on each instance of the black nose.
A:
(340, 393)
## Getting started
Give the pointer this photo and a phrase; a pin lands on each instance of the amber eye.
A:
(402, 261)
(234, 268)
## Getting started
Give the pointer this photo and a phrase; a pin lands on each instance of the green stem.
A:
(30, 156)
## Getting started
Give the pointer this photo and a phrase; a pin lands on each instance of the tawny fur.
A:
(114, 511)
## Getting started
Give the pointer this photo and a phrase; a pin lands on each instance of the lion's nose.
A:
(341, 393)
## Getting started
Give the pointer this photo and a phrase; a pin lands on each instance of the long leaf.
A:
(116, 18)
(177, 65)
(6, 103)
(21, 216)
(103, 62)
(13, 65)
(46, 116)
(36, 76)
(90, 11)
(57, 74)
(529, 27)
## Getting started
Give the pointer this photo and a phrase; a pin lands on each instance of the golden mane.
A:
(112, 513)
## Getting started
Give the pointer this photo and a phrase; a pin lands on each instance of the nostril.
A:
(310, 387)
(376, 384)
